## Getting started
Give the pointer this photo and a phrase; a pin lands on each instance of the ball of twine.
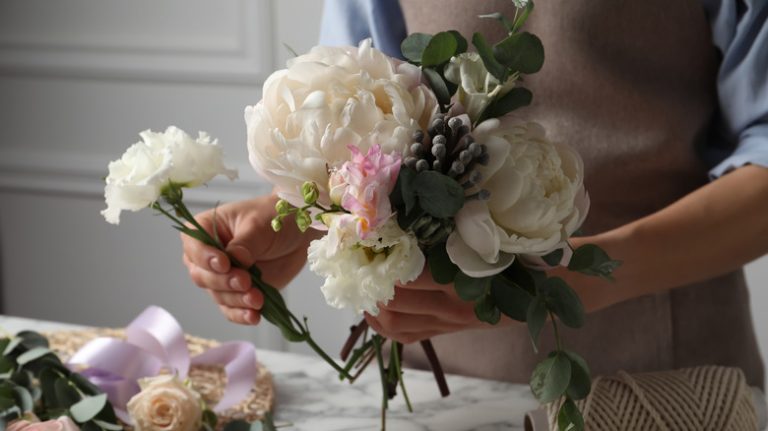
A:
(702, 398)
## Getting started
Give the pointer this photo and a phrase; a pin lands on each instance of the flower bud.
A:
(303, 220)
(336, 186)
(310, 192)
(277, 224)
(282, 207)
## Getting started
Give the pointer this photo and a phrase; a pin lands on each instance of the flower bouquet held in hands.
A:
(405, 164)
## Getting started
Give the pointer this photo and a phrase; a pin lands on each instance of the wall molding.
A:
(243, 56)
(82, 175)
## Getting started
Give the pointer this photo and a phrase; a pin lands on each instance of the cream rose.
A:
(477, 87)
(327, 100)
(136, 180)
(165, 404)
(361, 273)
(537, 199)
(64, 423)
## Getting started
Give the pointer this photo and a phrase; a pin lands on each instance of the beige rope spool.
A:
(703, 399)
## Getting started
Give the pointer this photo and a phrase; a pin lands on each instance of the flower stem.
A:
(556, 330)
(384, 398)
(398, 369)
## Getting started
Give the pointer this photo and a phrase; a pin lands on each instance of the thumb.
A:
(245, 246)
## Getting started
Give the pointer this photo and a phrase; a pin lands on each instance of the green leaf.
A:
(517, 97)
(84, 384)
(495, 68)
(461, 42)
(564, 302)
(48, 378)
(9, 414)
(569, 417)
(66, 395)
(536, 318)
(521, 52)
(438, 86)
(440, 266)
(525, 277)
(108, 426)
(24, 399)
(550, 378)
(471, 289)
(592, 260)
(414, 45)
(237, 425)
(510, 298)
(32, 339)
(210, 418)
(88, 408)
(500, 18)
(553, 258)
(23, 378)
(12, 344)
(405, 180)
(439, 195)
(581, 381)
(440, 49)
(7, 365)
(32, 354)
(486, 310)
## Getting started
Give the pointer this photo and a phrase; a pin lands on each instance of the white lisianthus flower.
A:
(327, 100)
(136, 180)
(165, 404)
(537, 199)
(361, 273)
(477, 87)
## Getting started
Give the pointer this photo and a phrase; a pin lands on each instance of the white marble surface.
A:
(310, 396)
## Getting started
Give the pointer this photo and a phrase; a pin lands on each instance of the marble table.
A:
(311, 397)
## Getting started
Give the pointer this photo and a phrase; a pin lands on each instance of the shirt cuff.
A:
(752, 150)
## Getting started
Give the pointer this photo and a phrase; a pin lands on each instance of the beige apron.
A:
(631, 84)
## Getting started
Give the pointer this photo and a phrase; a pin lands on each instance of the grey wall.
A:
(78, 80)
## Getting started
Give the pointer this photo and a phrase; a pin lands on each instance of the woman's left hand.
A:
(423, 309)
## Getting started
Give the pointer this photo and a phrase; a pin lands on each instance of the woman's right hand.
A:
(244, 229)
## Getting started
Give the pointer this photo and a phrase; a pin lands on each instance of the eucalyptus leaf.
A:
(9, 414)
(469, 288)
(48, 379)
(24, 399)
(32, 339)
(517, 97)
(107, 425)
(553, 258)
(461, 42)
(498, 16)
(510, 298)
(439, 195)
(486, 310)
(485, 51)
(11, 346)
(520, 52)
(87, 408)
(66, 395)
(439, 50)
(23, 378)
(581, 380)
(413, 46)
(440, 266)
(569, 417)
(84, 384)
(592, 260)
(32, 354)
(237, 425)
(7, 365)
(564, 302)
(405, 180)
(4, 342)
(438, 86)
(550, 378)
(525, 277)
(536, 318)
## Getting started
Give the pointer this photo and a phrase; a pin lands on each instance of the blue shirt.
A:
(739, 31)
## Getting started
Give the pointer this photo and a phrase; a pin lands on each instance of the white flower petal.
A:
(470, 262)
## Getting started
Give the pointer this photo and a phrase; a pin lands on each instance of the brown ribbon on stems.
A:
(356, 331)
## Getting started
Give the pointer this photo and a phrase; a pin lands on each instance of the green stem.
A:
(556, 330)
(398, 369)
(383, 374)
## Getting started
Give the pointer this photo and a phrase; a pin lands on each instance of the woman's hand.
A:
(423, 309)
(244, 229)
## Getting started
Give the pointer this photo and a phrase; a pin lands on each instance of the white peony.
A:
(537, 199)
(136, 180)
(165, 404)
(477, 87)
(327, 100)
(361, 273)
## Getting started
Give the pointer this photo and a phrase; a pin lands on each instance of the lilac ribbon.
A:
(155, 341)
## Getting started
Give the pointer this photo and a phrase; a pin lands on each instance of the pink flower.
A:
(63, 423)
(369, 180)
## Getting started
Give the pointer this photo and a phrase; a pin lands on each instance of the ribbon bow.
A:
(155, 341)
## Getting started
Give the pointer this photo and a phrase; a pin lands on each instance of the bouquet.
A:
(404, 164)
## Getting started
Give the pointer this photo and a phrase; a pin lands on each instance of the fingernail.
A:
(249, 316)
(242, 253)
(216, 264)
(251, 301)
(235, 284)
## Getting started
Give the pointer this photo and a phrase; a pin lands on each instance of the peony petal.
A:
(470, 262)
(478, 230)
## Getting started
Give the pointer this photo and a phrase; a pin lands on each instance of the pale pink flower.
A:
(63, 423)
(369, 180)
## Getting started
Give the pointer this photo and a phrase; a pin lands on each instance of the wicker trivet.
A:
(207, 380)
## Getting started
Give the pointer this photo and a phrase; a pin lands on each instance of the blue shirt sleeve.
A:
(347, 22)
(740, 32)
